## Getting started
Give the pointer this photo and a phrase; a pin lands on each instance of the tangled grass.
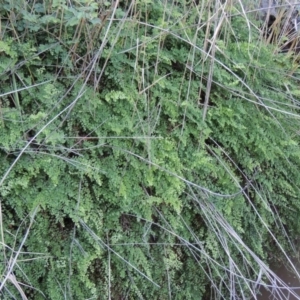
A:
(210, 107)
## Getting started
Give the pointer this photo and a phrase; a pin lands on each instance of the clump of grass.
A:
(153, 146)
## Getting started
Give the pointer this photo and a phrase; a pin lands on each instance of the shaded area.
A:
(288, 276)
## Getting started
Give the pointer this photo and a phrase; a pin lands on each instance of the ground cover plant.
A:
(148, 150)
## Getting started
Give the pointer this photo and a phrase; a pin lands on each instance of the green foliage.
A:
(138, 194)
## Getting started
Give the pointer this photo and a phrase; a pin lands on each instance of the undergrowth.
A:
(149, 150)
